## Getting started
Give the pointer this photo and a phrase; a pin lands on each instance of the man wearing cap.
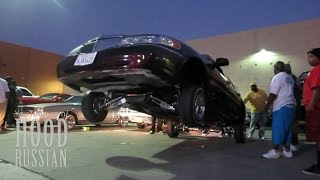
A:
(311, 101)
(258, 99)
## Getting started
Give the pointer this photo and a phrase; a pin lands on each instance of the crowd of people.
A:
(283, 99)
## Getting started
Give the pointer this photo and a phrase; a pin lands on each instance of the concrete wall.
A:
(31, 68)
(288, 43)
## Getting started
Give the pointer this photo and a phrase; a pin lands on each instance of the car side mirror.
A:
(222, 62)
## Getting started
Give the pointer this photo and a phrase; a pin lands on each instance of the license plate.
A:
(85, 59)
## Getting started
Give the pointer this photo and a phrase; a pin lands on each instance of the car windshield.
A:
(85, 48)
(74, 99)
(25, 92)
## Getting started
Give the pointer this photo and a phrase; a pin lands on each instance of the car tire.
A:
(189, 111)
(239, 128)
(172, 129)
(71, 121)
(122, 123)
(140, 126)
(90, 107)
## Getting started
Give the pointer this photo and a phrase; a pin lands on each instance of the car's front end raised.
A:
(122, 63)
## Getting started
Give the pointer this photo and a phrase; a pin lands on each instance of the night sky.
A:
(60, 25)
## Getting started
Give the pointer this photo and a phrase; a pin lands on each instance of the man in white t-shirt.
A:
(283, 103)
(4, 95)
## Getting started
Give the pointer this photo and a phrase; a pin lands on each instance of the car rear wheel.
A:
(140, 126)
(172, 129)
(192, 104)
(91, 107)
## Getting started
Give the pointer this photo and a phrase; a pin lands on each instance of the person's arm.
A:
(270, 101)
(315, 98)
(7, 94)
(246, 98)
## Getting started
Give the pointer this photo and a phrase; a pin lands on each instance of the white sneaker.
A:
(293, 148)
(287, 154)
(272, 154)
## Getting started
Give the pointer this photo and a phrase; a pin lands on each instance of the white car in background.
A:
(24, 92)
(126, 115)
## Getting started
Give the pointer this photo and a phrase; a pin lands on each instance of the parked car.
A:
(46, 98)
(129, 115)
(157, 75)
(70, 110)
(24, 92)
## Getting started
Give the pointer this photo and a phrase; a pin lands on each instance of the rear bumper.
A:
(123, 68)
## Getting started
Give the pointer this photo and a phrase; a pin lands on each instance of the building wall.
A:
(288, 43)
(34, 69)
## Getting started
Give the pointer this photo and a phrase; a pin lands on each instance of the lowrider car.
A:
(157, 75)
(70, 110)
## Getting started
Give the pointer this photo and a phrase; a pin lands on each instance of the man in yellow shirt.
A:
(258, 100)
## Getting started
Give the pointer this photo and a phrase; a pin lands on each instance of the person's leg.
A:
(313, 134)
(159, 124)
(277, 136)
(153, 125)
(277, 129)
(295, 128)
(288, 119)
(318, 153)
(253, 122)
(263, 121)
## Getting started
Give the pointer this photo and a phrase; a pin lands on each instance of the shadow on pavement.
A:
(219, 158)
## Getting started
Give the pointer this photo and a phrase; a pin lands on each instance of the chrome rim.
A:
(71, 121)
(199, 104)
(123, 123)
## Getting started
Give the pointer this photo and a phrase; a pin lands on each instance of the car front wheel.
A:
(91, 107)
(140, 126)
(71, 121)
(172, 129)
(122, 122)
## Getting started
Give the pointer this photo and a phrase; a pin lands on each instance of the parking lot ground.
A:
(110, 152)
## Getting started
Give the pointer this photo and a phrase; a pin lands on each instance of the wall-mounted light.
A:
(264, 56)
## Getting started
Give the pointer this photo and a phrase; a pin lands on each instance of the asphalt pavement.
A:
(110, 152)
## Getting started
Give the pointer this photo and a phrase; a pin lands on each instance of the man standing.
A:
(156, 122)
(12, 101)
(4, 95)
(282, 99)
(311, 100)
(298, 113)
(258, 99)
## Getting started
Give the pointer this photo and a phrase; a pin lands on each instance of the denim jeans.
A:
(260, 118)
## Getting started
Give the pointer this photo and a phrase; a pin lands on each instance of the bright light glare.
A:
(264, 56)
